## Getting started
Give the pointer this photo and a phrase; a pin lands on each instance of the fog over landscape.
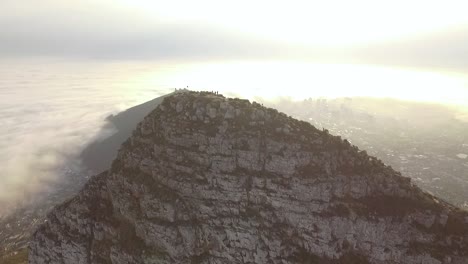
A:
(63, 106)
(391, 77)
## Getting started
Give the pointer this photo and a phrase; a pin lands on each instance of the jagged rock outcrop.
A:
(205, 179)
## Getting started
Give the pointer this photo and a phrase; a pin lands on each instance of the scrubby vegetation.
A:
(18, 257)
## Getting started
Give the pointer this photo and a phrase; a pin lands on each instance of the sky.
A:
(416, 33)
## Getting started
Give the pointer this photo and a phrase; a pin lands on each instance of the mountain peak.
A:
(209, 179)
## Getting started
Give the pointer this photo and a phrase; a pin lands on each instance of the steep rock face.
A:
(205, 179)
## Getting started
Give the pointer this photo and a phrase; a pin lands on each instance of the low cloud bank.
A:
(48, 113)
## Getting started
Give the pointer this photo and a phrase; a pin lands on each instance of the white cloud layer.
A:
(48, 113)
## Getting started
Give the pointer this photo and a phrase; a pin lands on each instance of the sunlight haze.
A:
(314, 22)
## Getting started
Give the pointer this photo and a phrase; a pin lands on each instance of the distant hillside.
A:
(98, 155)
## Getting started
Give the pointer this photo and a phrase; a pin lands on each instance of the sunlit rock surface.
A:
(205, 179)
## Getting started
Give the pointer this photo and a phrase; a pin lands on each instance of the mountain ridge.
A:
(205, 178)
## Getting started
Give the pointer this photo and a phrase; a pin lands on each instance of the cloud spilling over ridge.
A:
(47, 117)
(37, 139)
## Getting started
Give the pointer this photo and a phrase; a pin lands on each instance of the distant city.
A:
(423, 141)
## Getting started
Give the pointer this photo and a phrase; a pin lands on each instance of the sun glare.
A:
(314, 22)
(303, 80)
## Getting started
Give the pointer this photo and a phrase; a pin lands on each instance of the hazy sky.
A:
(400, 32)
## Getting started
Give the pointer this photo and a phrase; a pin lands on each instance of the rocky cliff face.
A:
(205, 179)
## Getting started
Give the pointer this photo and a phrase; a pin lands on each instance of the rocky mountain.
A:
(23, 219)
(206, 179)
(423, 141)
